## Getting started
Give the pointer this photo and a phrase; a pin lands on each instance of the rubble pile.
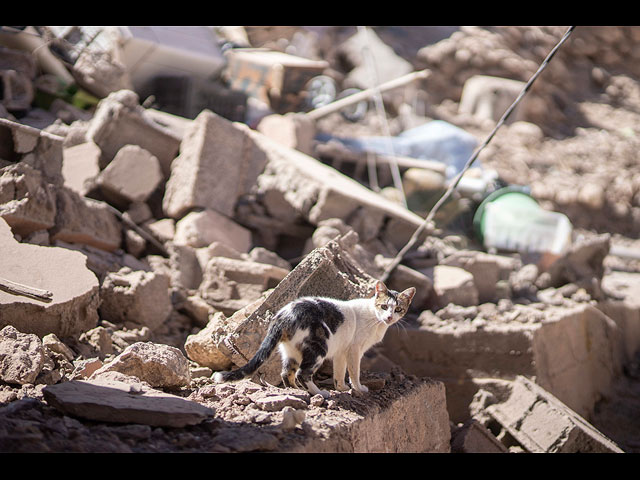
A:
(147, 244)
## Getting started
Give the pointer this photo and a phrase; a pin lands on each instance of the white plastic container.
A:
(513, 221)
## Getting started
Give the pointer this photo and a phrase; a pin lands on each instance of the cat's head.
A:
(391, 306)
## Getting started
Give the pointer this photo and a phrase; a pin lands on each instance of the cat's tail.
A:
(268, 345)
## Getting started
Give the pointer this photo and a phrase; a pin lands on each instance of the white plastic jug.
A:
(509, 219)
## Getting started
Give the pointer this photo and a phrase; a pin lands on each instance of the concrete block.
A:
(80, 163)
(452, 285)
(73, 306)
(218, 162)
(21, 356)
(132, 176)
(229, 284)
(291, 130)
(119, 120)
(541, 423)
(136, 297)
(27, 201)
(574, 352)
(84, 221)
(487, 270)
(200, 347)
(200, 229)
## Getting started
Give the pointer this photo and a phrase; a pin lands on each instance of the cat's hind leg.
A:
(309, 365)
(288, 373)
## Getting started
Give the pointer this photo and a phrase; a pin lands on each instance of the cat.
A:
(311, 329)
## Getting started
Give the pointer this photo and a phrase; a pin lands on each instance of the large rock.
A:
(200, 229)
(217, 163)
(84, 221)
(453, 285)
(156, 364)
(201, 347)
(114, 400)
(72, 308)
(120, 120)
(21, 356)
(132, 176)
(80, 164)
(27, 201)
(136, 296)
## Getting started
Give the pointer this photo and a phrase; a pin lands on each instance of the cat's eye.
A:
(384, 307)
(398, 309)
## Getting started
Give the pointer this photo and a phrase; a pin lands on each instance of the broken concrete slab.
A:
(541, 423)
(27, 201)
(211, 145)
(452, 285)
(112, 400)
(487, 270)
(72, 307)
(229, 284)
(85, 221)
(201, 347)
(575, 352)
(21, 356)
(135, 297)
(132, 176)
(327, 271)
(379, 428)
(156, 364)
(202, 228)
(80, 164)
(119, 120)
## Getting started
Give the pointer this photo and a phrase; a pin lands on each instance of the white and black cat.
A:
(312, 329)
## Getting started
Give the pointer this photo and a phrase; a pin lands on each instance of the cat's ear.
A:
(380, 287)
(407, 295)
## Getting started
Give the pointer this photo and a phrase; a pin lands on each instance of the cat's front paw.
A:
(342, 388)
(324, 393)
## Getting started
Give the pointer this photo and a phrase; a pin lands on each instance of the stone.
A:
(201, 346)
(53, 343)
(80, 165)
(115, 401)
(139, 297)
(218, 163)
(541, 423)
(156, 364)
(200, 229)
(453, 285)
(132, 176)
(487, 270)
(163, 229)
(85, 221)
(119, 120)
(84, 368)
(230, 284)
(275, 403)
(27, 201)
(291, 130)
(185, 267)
(73, 306)
(21, 356)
